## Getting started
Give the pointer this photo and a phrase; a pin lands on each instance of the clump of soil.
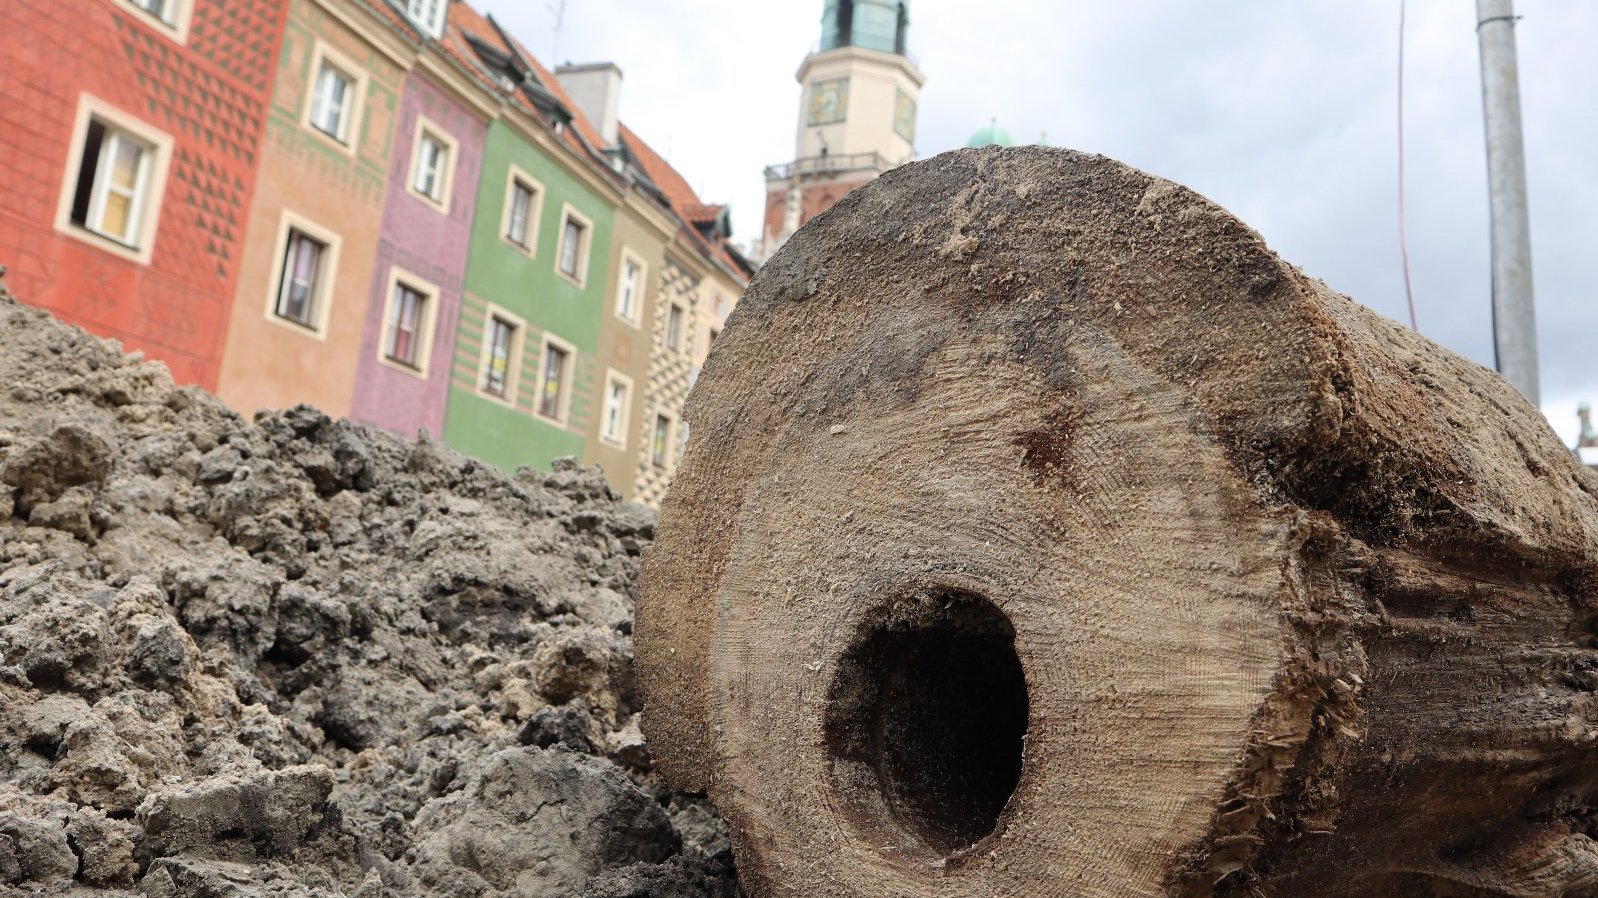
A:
(296, 657)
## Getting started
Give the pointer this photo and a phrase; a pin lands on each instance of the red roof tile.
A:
(684, 201)
(464, 21)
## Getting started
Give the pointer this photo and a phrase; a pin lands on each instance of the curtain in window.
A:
(300, 269)
(405, 325)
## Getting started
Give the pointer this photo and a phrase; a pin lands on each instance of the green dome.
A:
(991, 136)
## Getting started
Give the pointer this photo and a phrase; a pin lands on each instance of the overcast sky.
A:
(1282, 112)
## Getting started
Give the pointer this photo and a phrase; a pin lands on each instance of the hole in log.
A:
(927, 718)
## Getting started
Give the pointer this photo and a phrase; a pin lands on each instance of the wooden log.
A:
(1042, 533)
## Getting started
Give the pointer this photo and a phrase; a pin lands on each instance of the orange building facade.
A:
(301, 304)
(132, 133)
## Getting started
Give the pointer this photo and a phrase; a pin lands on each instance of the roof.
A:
(686, 204)
(465, 25)
(991, 135)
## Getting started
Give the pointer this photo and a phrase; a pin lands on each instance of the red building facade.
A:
(128, 140)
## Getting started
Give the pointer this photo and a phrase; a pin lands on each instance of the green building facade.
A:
(526, 380)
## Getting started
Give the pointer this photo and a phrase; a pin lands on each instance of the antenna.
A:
(558, 10)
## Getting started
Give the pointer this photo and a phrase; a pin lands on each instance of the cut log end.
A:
(1041, 532)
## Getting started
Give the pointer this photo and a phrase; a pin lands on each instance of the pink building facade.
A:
(402, 377)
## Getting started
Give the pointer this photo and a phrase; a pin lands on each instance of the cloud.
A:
(1285, 113)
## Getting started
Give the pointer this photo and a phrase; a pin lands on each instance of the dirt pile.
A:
(298, 657)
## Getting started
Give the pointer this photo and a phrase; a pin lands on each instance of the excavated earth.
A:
(298, 657)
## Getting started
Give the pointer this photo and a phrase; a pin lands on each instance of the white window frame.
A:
(151, 184)
(427, 326)
(175, 25)
(427, 128)
(324, 54)
(636, 319)
(433, 27)
(683, 331)
(564, 401)
(568, 213)
(535, 210)
(513, 359)
(670, 462)
(323, 302)
(614, 377)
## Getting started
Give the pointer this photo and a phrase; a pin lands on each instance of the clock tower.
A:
(857, 114)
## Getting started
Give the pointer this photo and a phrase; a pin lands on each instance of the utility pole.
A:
(1514, 307)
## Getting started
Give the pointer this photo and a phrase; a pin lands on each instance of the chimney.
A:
(596, 89)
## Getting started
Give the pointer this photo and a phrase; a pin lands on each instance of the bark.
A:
(1042, 533)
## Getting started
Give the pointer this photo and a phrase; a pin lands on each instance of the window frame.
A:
(564, 400)
(568, 214)
(288, 222)
(513, 359)
(628, 256)
(450, 148)
(433, 29)
(668, 463)
(146, 208)
(426, 325)
(674, 337)
(322, 54)
(614, 377)
(535, 210)
(175, 26)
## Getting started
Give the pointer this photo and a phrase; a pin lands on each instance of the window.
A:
(674, 322)
(501, 336)
(618, 396)
(405, 325)
(432, 165)
(521, 207)
(300, 291)
(499, 365)
(115, 180)
(575, 231)
(408, 320)
(630, 290)
(113, 184)
(428, 15)
(430, 168)
(299, 284)
(330, 109)
(660, 446)
(553, 381)
(337, 90)
(524, 203)
(170, 17)
(163, 10)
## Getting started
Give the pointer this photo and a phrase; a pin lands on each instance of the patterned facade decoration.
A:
(671, 376)
(205, 91)
(318, 201)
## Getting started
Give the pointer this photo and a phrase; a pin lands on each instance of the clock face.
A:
(829, 101)
(904, 117)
